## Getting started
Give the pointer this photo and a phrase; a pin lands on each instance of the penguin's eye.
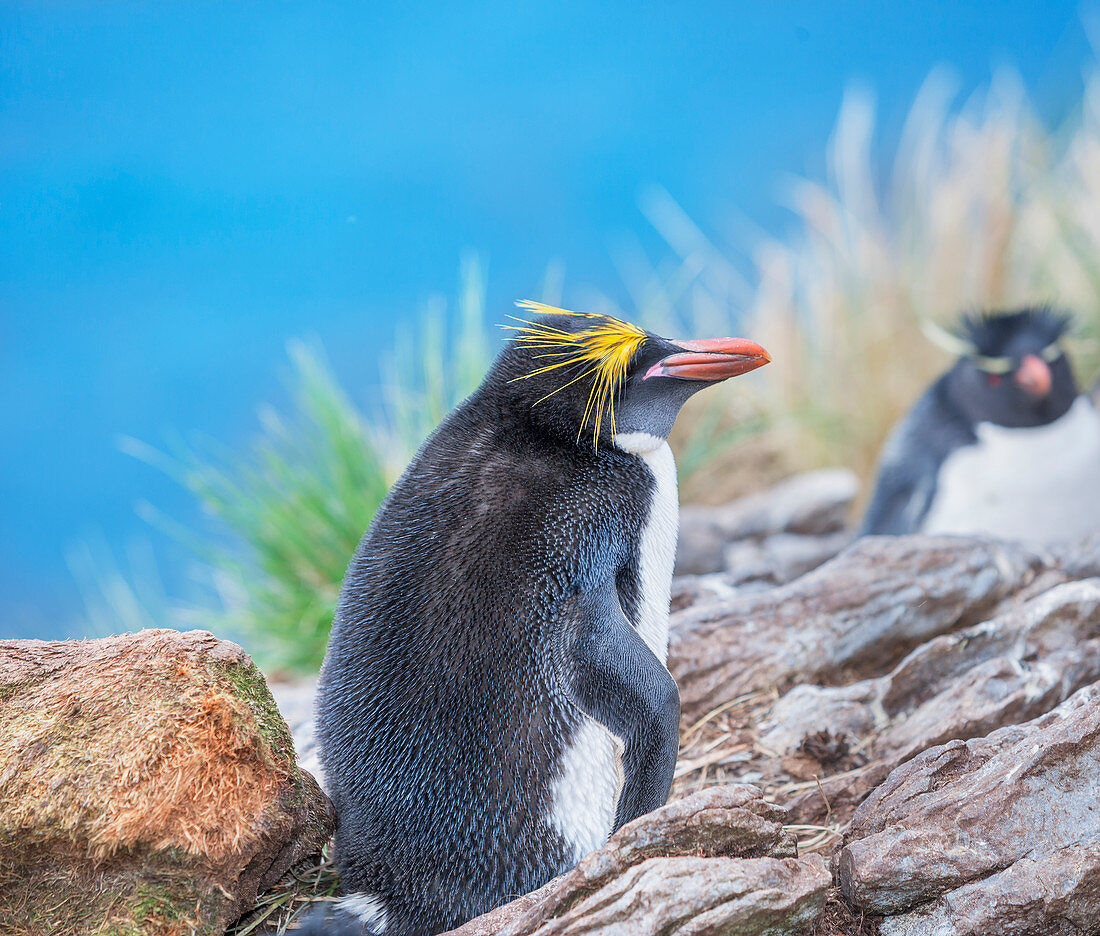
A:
(1051, 353)
(994, 365)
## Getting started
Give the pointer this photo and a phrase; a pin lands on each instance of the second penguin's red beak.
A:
(1033, 376)
(711, 359)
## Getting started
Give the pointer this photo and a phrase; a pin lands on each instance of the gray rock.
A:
(854, 617)
(961, 685)
(703, 897)
(1057, 894)
(1010, 669)
(700, 543)
(781, 558)
(852, 711)
(296, 703)
(717, 861)
(956, 686)
(812, 504)
(1078, 560)
(969, 811)
(688, 590)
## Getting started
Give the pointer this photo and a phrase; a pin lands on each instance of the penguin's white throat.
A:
(657, 540)
(638, 443)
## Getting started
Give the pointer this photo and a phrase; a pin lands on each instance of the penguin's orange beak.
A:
(711, 359)
(1033, 376)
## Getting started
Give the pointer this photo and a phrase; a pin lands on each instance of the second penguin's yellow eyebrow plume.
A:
(603, 349)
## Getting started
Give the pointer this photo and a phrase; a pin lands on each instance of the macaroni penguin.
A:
(494, 701)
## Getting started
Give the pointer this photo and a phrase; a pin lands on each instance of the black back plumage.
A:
(442, 636)
(945, 416)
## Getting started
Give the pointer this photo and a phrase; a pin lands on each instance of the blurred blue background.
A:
(183, 187)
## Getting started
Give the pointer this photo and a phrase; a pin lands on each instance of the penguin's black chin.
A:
(712, 359)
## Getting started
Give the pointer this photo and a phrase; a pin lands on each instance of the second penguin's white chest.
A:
(1039, 485)
(657, 543)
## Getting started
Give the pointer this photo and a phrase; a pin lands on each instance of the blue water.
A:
(184, 186)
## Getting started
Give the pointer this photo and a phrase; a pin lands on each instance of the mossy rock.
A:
(148, 785)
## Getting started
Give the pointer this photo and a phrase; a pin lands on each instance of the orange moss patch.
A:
(133, 743)
(176, 791)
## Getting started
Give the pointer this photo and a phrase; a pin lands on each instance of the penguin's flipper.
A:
(609, 672)
(911, 459)
(902, 498)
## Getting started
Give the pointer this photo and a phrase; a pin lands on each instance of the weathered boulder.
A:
(780, 558)
(715, 862)
(1077, 560)
(995, 834)
(148, 786)
(856, 616)
(812, 505)
(962, 685)
(1057, 894)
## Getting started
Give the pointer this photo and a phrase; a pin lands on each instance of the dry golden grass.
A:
(299, 894)
(981, 207)
(723, 746)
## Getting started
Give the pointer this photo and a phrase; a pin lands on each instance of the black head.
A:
(586, 376)
(1012, 370)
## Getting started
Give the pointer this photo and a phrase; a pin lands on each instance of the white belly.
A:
(586, 790)
(1039, 485)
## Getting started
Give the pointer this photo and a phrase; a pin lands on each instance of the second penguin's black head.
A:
(587, 376)
(1012, 370)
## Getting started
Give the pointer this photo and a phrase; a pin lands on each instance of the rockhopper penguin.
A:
(495, 700)
(1000, 444)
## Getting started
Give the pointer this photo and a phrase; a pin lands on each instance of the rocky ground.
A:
(889, 736)
(925, 711)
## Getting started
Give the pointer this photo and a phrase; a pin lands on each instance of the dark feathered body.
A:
(495, 701)
(443, 635)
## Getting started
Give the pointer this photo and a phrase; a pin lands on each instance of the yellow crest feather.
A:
(602, 349)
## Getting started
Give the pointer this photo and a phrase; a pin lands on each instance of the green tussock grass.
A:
(289, 510)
